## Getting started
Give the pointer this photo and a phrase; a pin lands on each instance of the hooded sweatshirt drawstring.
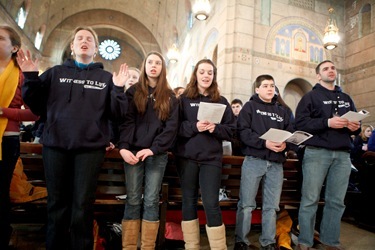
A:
(71, 86)
(81, 66)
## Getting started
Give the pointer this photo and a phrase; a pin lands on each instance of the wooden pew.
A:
(111, 183)
(231, 179)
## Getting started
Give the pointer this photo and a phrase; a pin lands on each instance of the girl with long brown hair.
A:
(199, 153)
(146, 135)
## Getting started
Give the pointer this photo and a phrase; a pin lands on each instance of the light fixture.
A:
(201, 9)
(173, 54)
(109, 49)
(331, 32)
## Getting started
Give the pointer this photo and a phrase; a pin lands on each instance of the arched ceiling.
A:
(134, 39)
(139, 26)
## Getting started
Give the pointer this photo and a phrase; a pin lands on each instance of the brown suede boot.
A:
(216, 237)
(149, 233)
(190, 229)
(130, 233)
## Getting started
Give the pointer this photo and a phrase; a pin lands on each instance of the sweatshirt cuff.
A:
(123, 146)
(31, 74)
(119, 89)
(154, 150)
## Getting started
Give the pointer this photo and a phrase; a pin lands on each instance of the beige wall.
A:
(239, 35)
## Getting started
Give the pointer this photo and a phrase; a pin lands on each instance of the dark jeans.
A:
(10, 154)
(151, 172)
(71, 178)
(208, 177)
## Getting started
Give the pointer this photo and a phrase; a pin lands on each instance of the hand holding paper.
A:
(356, 116)
(212, 112)
(278, 135)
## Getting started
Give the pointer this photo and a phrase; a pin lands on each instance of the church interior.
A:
(244, 38)
(285, 38)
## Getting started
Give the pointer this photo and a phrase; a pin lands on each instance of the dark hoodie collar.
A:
(256, 98)
(318, 86)
(71, 64)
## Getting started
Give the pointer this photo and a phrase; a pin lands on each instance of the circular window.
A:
(109, 49)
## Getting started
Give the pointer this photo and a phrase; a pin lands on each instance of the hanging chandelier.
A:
(173, 54)
(331, 32)
(201, 9)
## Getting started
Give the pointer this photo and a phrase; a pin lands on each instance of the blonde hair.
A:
(135, 69)
(89, 29)
(363, 129)
(15, 40)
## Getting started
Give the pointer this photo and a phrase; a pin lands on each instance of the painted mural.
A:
(298, 42)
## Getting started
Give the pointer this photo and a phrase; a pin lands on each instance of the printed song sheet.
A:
(212, 112)
(356, 116)
(278, 135)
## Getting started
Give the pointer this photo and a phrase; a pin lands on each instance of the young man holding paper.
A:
(263, 162)
(326, 158)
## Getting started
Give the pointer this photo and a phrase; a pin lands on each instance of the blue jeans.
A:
(10, 154)
(254, 171)
(152, 171)
(208, 177)
(71, 178)
(318, 165)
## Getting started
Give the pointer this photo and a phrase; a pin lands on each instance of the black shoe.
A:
(268, 247)
(241, 246)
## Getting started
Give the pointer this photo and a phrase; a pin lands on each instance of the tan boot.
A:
(216, 237)
(149, 233)
(190, 229)
(130, 233)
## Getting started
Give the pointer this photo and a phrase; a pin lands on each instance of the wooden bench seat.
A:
(231, 180)
(111, 183)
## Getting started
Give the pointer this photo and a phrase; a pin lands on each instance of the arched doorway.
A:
(294, 90)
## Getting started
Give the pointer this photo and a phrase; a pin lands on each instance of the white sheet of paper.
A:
(356, 116)
(278, 135)
(212, 112)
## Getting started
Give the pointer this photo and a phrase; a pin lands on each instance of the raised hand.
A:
(26, 62)
(122, 76)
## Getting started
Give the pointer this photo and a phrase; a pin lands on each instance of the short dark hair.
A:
(317, 69)
(261, 78)
(236, 101)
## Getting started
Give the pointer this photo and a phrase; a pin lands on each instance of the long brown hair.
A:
(162, 92)
(15, 39)
(192, 90)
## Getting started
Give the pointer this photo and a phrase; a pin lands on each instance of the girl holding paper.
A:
(199, 154)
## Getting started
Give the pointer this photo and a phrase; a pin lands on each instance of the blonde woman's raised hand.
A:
(26, 63)
(122, 76)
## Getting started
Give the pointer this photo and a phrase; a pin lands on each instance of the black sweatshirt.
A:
(203, 147)
(313, 112)
(256, 118)
(140, 131)
(77, 103)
